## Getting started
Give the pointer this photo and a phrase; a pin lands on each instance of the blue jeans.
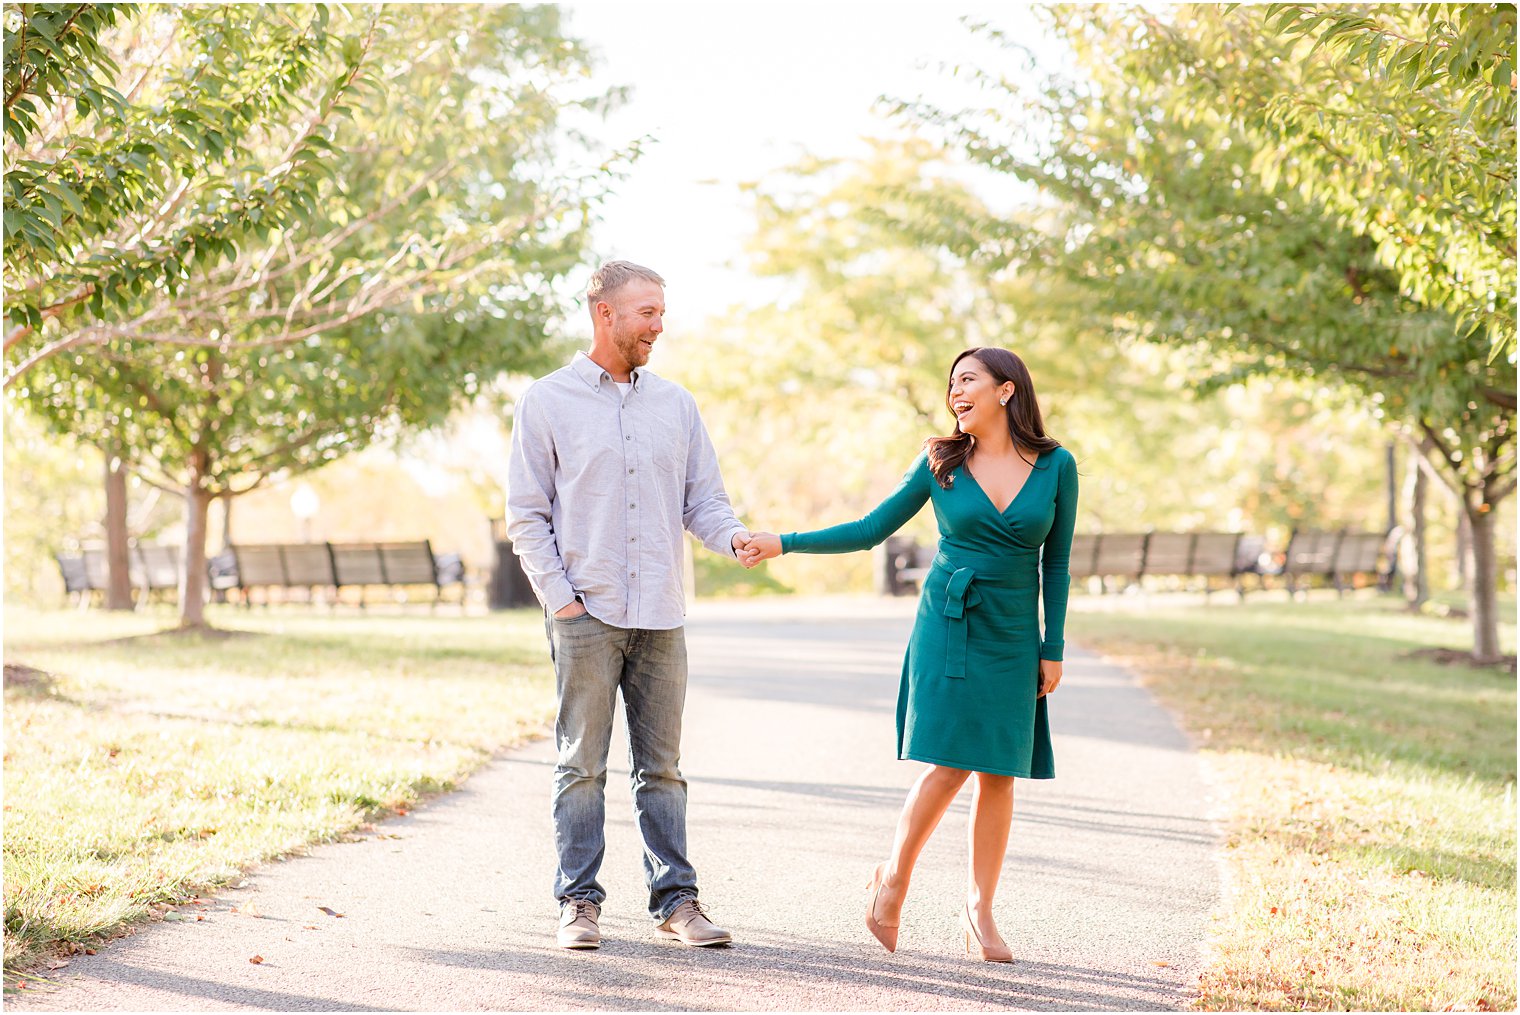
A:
(592, 660)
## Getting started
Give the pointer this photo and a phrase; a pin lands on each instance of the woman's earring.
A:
(1002, 401)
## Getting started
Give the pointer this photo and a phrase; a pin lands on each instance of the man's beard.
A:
(632, 349)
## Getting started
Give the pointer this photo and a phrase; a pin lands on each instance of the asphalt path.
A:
(1110, 882)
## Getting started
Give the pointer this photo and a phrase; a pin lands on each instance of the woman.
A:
(972, 698)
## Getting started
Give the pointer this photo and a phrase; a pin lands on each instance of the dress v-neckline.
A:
(1016, 494)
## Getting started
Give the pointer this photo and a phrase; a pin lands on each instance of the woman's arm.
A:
(1055, 561)
(889, 516)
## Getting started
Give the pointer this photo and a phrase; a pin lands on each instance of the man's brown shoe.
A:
(577, 925)
(690, 925)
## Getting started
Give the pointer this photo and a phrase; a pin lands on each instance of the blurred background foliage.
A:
(1201, 320)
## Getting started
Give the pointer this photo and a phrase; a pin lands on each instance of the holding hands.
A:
(753, 547)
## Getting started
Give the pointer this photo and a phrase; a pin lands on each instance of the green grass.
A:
(721, 579)
(142, 768)
(1369, 798)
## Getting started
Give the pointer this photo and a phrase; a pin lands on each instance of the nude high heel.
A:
(884, 933)
(993, 953)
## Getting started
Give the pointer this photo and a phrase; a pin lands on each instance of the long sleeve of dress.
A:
(1055, 561)
(888, 516)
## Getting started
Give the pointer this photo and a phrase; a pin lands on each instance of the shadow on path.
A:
(835, 976)
(225, 993)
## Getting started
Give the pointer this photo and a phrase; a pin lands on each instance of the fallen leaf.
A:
(57, 963)
(1157, 962)
(308, 926)
(173, 917)
(89, 951)
(199, 917)
(330, 912)
(403, 812)
(257, 960)
(251, 909)
(1274, 910)
(22, 985)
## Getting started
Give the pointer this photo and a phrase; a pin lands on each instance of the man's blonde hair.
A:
(612, 276)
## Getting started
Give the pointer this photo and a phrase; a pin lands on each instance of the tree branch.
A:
(25, 82)
(21, 331)
(1421, 449)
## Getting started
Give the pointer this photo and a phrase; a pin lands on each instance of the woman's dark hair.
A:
(1025, 424)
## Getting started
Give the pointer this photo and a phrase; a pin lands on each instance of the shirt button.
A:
(632, 506)
(630, 472)
(630, 438)
(633, 574)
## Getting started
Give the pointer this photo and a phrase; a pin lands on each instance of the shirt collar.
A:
(589, 371)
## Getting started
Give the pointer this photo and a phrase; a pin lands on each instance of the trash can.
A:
(509, 588)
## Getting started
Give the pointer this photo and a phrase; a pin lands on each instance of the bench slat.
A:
(357, 564)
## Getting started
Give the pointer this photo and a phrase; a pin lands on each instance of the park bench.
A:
(1127, 556)
(1205, 555)
(1135, 556)
(1117, 555)
(335, 566)
(152, 568)
(76, 577)
(1336, 558)
(901, 564)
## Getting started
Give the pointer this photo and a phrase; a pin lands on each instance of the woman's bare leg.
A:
(991, 821)
(927, 802)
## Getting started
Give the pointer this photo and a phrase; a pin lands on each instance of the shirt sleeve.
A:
(530, 505)
(1055, 561)
(888, 516)
(706, 512)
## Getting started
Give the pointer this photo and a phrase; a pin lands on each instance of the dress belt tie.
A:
(960, 596)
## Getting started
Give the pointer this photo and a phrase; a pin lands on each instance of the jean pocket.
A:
(573, 620)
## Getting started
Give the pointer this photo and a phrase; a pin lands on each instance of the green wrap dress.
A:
(969, 696)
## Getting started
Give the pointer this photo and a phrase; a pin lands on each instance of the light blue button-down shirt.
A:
(601, 485)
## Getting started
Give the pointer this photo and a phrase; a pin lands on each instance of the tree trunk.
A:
(192, 581)
(118, 548)
(1477, 558)
(1484, 569)
(1464, 559)
(1416, 578)
(226, 500)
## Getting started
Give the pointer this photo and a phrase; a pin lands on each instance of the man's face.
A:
(638, 318)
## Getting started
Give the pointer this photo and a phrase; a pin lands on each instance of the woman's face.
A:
(974, 395)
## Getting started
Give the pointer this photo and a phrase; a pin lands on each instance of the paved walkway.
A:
(1109, 883)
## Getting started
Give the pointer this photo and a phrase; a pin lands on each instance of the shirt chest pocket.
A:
(668, 455)
(663, 441)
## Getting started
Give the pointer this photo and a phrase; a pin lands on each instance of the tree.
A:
(1398, 119)
(378, 247)
(131, 154)
(1180, 234)
(884, 275)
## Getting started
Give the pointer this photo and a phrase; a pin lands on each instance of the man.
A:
(609, 463)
